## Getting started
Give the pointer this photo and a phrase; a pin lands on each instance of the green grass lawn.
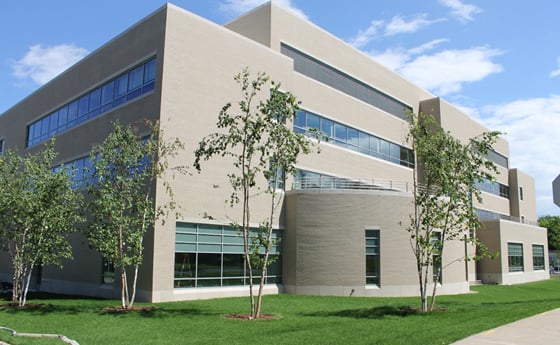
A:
(302, 319)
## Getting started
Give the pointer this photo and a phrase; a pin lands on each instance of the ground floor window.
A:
(515, 257)
(108, 273)
(538, 257)
(437, 268)
(212, 255)
(372, 257)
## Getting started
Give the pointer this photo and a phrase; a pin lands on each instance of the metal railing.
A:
(337, 183)
(329, 183)
(497, 216)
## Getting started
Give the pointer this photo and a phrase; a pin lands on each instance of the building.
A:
(556, 191)
(346, 207)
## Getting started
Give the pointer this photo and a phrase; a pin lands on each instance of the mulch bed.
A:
(16, 306)
(119, 309)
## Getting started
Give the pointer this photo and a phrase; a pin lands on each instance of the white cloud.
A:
(531, 127)
(463, 12)
(397, 58)
(237, 7)
(427, 46)
(399, 25)
(42, 63)
(556, 72)
(393, 58)
(443, 72)
(365, 36)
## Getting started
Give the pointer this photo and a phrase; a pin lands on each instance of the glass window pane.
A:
(231, 231)
(121, 86)
(209, 265)
(374, 144)
(209, 229)
(53, 120)
(313, 121)
(384, 149)
(45, 126)
(299, 120)
(233, 239)
(234, 265)
(340, 133)
(210, 238)
(395, 153)
(372, 265)
(185, 264)
(72, 111)
(83, 105)
(150, 71)
(31, 134)
(63, 116)
(179, 237)
(135, 78)
(209, 248)
(186, 227)
(327, 127)
(353, 138)
(107, 93)
(363, 142)
(233, 248)
(95, 99)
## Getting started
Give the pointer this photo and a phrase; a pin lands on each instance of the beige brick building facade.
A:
(179, 68)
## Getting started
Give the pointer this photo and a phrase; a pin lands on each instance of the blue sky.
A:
(497, 60)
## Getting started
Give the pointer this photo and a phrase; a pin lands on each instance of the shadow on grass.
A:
(45, 308)
(39, 303)
(371, 313)
(529, 301)
(102, 310)
(157, 312)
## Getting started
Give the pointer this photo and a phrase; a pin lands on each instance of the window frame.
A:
(516, 263)
(196, 241)
(374, 248)
(98, 100)
(538, 260)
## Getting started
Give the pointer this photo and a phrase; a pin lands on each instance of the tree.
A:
(445, 178)
(39, 208)
(552, 224)
(260, 143)
(122, 207)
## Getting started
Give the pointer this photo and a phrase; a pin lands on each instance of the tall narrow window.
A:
(108, 275)
(538, 257)
(436, 257)
(521, 193)
(372, 257)
(515, 257)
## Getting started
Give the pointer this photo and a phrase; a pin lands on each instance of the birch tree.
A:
(39, 209)
(263, 150)
(446, 174)
(126, 167)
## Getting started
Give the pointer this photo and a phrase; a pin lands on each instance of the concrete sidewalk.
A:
(539, 329)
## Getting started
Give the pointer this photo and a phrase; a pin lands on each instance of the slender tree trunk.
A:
(433, 300)
(247, 239)
(426, 272)
(23, 298)
(268, 245)
(16, 280)
(134, 281)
